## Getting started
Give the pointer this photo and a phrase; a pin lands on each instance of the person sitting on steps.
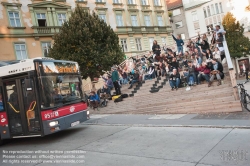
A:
(94, 100)
(174, 80)
(135, 79)
(217, 71)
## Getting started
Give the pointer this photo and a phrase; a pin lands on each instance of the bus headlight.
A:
(53, 123)
(87, 112)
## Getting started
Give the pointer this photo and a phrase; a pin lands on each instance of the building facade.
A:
(201, 13)
(178, 19)
(27, 26)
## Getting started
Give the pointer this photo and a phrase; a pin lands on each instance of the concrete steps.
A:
(200, 99)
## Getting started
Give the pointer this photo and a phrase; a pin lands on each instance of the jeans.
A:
(218, 76)
(205, 76)
(149, 76)
(194, 76)
(180, 49)
(132, 82)
(124, 81)
(174, 83)
(199, 60)
(163, 72)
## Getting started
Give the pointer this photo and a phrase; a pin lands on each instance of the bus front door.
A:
(22, 107)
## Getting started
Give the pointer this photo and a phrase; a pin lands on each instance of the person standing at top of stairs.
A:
(115, 79)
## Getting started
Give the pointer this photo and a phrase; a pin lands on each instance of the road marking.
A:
(98, 116)
(169, 116)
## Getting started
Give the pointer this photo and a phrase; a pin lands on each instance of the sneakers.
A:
(172, 89)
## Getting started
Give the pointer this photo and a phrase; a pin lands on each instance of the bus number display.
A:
(51, 115)
(57, 67)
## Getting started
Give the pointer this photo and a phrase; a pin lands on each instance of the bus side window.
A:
(1, 100)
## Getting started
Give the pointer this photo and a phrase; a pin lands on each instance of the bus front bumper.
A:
(62, 123)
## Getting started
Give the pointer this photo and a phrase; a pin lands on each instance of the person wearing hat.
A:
(115, 79)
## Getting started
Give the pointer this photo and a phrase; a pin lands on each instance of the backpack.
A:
(124, 95)
(119, 99)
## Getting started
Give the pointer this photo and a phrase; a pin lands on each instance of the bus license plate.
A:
(75, 123)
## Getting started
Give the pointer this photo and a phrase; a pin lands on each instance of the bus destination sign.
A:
(60, 67)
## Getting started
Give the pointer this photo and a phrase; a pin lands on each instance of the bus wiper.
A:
(72, 102)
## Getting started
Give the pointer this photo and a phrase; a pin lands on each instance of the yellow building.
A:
(27, 26)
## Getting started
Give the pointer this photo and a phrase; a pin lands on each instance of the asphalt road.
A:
(128, 145)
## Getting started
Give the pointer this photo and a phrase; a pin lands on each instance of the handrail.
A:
(227, 54)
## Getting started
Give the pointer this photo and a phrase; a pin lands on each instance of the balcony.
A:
(132, 7)
(143, 29)
(158, 9)
(145, 8)
(46, 30)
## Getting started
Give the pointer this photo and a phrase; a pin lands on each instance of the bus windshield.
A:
(60, 89)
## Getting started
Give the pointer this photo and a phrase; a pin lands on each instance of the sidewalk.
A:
(218, 120)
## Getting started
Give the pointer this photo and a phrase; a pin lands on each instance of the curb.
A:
(190, 126)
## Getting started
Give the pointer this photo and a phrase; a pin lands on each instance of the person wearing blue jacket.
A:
(179, 43)
(94, 100)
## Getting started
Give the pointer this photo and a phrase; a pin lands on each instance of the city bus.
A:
(39, 97)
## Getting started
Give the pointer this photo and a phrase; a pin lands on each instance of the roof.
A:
(173, 4)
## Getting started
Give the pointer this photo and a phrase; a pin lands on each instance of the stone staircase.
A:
(156, 97)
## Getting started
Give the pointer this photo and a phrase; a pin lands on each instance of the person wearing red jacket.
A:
(204, 72)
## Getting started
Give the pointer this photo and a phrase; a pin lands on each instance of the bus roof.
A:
(19, 66)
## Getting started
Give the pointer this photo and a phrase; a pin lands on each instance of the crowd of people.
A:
(201, 61)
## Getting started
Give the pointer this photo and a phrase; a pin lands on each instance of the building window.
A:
(183, 36)
(147, 20)
(178, 24)
(221, 10)
(205, 12)
(138, 44)
(131, 2)
(163, 40)
(41, 19)
(151, 40)
(124, 45)
(99, 0)
(45, 47)
(176, 12)
(217, 8)
(14, 19)
(196, 25)
(61, 19)
(208, 11)
(119, 20)
(102, 17)
(21, 51)
(194, 16)
(160, 20)
(134, 20)
(157, 2)
(116, 1)
(144, 2)
(212, 9)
